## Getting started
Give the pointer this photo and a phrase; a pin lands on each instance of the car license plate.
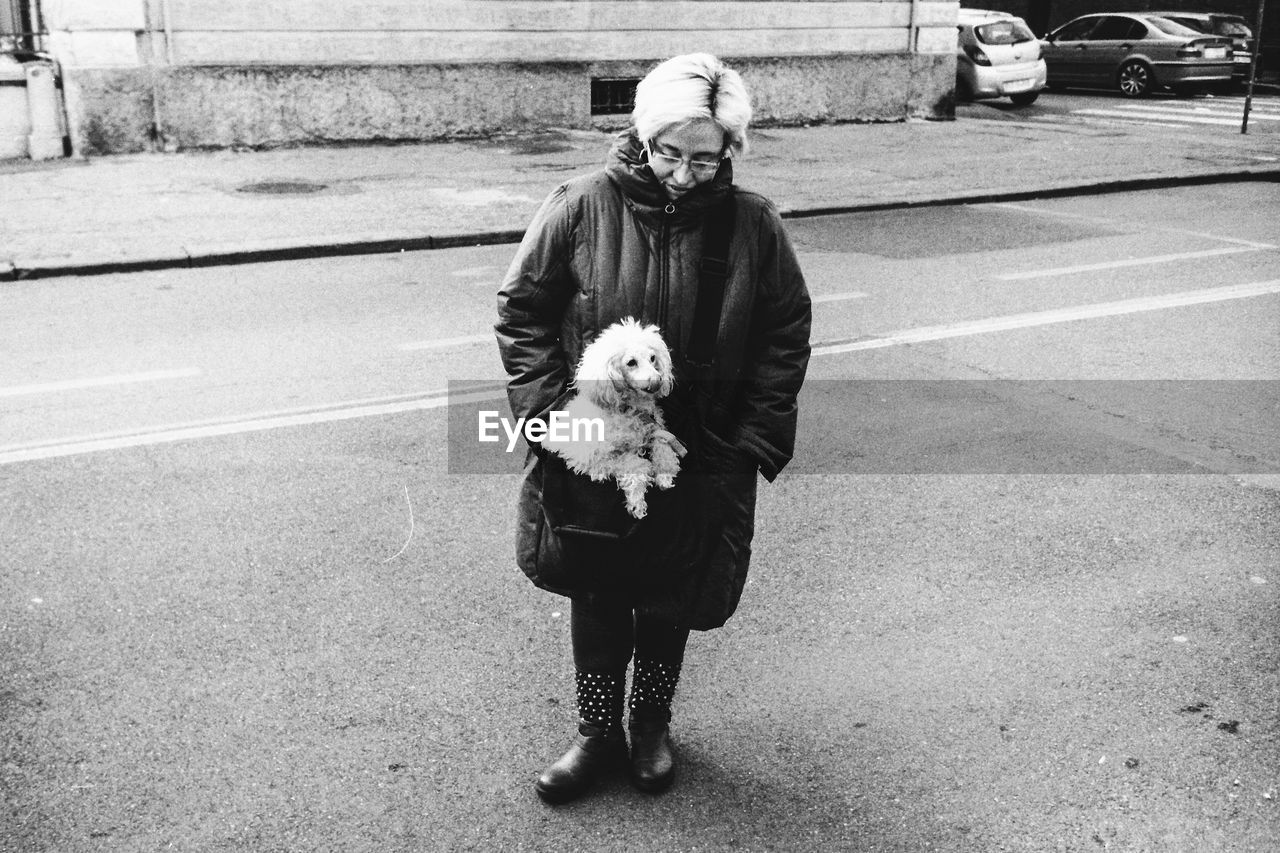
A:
(1018, 85)
(1215, 53)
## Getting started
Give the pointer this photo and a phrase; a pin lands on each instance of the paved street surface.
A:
(1018, 592)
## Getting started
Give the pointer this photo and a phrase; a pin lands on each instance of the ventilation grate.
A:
(613, 95)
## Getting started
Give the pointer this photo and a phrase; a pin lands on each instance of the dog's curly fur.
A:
(620, 378)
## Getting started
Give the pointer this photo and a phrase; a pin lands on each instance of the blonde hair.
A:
(689, 87)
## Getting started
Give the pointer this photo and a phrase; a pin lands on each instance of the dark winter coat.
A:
(610, 245)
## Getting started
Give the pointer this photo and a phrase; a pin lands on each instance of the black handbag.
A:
(601, 547)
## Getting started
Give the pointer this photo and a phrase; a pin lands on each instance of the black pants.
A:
(606, 634)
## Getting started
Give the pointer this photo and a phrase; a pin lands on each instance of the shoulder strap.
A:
(717, 232)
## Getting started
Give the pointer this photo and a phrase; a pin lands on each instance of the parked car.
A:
(1136, 53)
(1233, 27)
(997, 56)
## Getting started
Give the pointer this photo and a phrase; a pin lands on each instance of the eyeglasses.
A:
(700, 168)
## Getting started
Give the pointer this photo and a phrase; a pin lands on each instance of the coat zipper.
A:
(664, 252)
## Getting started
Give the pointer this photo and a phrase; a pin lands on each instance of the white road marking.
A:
(253, 423)
(1127, 262)
(1111, 221)
(1215, 110)
(1044, 318)
(838, 297)
(1226, 112)
(98, 382)
(1180, 119)
(1219, 116)
(447, 343)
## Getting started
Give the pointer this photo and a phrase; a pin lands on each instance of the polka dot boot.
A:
(652, 687)
(600, 745)
(652, 757)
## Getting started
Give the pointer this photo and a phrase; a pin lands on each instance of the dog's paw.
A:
(665, 481)
(671, 441)
(638, 508)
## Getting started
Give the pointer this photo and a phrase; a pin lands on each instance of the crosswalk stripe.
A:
(1218, 111)
(1239, 102)
(1205, 112)
(1235, 122)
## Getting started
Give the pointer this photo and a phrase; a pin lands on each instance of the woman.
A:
(629, 241)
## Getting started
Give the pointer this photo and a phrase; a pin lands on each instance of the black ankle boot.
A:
(653, 761)
(601, 744)
(597, 749)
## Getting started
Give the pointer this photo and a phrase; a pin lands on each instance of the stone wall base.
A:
(172, 108)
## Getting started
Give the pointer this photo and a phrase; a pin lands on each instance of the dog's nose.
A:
(641, 383)
(644, 378)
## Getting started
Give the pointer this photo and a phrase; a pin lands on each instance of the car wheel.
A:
(1134, 79)
(1024, 99)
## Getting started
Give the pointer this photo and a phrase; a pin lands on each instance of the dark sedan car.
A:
(1233, 27)
(1135, 53)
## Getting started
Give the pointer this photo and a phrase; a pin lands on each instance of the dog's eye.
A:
(631, 362)
(653, 359)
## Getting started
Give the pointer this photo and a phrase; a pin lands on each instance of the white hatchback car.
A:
(997, 56)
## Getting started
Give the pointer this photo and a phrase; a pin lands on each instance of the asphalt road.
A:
(246, 605)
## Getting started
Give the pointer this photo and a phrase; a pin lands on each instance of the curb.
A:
(1270, 174)
(23, 270)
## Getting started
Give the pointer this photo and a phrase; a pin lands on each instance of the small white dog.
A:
(621, 377)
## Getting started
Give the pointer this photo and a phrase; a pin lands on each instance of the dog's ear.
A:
(600, 375)
(662, 360)
(618, 382)
(667, 383)
(594, 364)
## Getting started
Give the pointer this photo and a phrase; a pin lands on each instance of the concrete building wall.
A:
(170, 74)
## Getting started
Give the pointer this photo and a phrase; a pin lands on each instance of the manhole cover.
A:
(282, 188)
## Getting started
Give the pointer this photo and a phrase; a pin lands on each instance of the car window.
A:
(1004, 32)
(1076, 30)
(1172, 27)
(1113, 28)
(1191, 23)
(1231, 28)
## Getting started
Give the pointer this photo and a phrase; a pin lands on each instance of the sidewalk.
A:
(152, 211)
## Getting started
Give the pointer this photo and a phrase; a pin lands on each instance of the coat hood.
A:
(628, 167)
